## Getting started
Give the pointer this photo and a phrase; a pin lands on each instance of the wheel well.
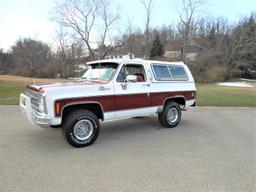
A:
(93, 107)
(179, 100)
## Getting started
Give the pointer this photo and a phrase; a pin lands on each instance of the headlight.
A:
(42, 105)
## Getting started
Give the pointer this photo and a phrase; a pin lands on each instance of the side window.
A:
(121, 75)
(169, 72)
(132, 69)
(162, 72)
(178, 73)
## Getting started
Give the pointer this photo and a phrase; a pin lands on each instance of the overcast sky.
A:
(32, 18)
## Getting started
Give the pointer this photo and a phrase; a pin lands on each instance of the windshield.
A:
(100, 72)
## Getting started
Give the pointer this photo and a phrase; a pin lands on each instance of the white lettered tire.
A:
(170, 116)
(81, 128)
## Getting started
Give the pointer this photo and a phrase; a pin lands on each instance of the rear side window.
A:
(178, 73)
(161, 72)
(169, 72)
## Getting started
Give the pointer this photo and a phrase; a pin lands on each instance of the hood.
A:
(42, 88)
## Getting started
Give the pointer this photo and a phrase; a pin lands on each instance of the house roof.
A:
(176, 45)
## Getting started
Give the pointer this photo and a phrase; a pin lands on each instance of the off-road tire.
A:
(72, 120)
(163, 116)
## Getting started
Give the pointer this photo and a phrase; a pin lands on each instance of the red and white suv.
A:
(110, 90)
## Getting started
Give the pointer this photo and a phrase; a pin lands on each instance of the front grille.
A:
(35, 98)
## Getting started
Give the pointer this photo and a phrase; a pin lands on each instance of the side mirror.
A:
(131, 78)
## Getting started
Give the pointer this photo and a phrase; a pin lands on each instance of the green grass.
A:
(10, 91)
(12, 86)
(207, 94)
(215, 95)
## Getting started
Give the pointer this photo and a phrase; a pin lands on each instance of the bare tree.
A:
(31, 54)
(241, 57)
(128, 37)
(148, 5)
(6, 62)
(187, 13)
(108, 18)
(82, 19)
(131, 40)
(62, 46)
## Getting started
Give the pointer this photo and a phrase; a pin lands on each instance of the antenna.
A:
(99, 70)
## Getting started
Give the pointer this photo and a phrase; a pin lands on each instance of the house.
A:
(174, 48)
(192, 50)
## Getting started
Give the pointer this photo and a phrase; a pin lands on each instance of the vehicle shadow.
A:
(111, 131)
(131, 126)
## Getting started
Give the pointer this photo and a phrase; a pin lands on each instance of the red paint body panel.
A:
(157, 99)
(124, 102)
(107, 102)
(132, 101)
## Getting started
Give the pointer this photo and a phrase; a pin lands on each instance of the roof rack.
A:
(127, 56)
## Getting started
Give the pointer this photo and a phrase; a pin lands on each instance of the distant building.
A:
(173, 50)
(192, 50)
(172, 54)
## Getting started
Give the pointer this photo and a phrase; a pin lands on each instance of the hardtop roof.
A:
(143, 61)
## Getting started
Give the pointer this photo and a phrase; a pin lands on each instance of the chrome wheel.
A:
(83, 129)
(172, 115)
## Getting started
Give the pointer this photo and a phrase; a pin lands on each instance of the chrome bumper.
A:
(33, 116)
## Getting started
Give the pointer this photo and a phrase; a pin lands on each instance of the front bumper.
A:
(33, 116)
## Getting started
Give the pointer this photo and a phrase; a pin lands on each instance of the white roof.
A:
(120, 61)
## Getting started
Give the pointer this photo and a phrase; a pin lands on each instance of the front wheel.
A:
(81, 128)
(170, 116)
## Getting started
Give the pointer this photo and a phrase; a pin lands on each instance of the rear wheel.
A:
(170, 116)
(81, 128)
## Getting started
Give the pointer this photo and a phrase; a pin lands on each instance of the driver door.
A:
(132, 97)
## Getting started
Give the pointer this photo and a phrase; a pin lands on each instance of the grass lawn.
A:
(207, 94)
(215, 95)
(9, 92)
(12, 86)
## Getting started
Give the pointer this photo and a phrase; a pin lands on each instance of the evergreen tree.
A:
(157, 49)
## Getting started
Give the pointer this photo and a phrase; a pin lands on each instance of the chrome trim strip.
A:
(41, 119)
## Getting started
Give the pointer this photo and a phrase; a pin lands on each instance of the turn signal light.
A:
(57, 109)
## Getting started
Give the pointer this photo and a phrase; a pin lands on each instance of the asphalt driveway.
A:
(213, 149)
